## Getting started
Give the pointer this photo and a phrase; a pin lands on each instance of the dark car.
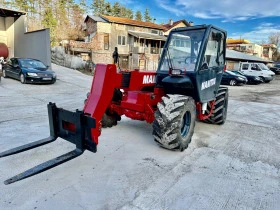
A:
(230, 78)
(253, 80)
(28, 70)
(276, 69)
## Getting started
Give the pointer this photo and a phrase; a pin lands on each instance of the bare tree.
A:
(275, 39)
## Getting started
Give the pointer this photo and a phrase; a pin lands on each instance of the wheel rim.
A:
(232, 82)
(22, 78)
(186, 122)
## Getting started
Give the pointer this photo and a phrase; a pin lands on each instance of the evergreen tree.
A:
(147, 16)
(108, 9)
(138, 16)
(98, 7)
(49, 21)
(116, 10)
(83, 6)
(129, 13)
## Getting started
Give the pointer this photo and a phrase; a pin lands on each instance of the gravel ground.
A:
(233, 166)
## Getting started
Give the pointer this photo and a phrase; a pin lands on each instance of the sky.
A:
(253, 20)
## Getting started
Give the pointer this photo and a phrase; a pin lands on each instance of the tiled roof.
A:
(168, 26)
(127, 21)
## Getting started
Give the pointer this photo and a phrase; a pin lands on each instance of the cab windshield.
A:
(182, 50)
(263, 67)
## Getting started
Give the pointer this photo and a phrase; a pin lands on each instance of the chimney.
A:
(171, 22)
(191, 23)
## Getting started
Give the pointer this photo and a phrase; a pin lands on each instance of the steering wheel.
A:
(190, 59)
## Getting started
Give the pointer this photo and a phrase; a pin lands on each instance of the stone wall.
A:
(59, 57)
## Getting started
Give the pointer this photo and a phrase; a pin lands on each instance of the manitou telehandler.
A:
(186, 86)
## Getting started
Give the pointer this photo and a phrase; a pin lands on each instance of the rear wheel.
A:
(219, 113)
(232, 82)
(174, 122)
(22, 78)
(110, 119)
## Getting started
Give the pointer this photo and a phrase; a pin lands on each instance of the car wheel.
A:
(22, 78)
(232, 82)
(262, 79)
(4, 73)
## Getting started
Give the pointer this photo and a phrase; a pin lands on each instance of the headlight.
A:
(32, 74)
(240, 78)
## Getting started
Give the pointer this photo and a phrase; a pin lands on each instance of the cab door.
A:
(255, 70)
(246, 69)
(211, 70)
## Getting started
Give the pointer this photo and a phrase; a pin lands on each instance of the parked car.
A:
(230, 78)
(28, 70)
(257, 69)
(251, 79)
(275, 69)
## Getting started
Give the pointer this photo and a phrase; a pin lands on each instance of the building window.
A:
(121, 40)
(154, 31)
(106, 41)
(245, 66)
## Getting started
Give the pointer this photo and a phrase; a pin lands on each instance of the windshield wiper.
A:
(169, 60)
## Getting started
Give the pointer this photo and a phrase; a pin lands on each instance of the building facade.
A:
(139, 43)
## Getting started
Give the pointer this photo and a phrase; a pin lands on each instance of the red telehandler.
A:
(185, 87)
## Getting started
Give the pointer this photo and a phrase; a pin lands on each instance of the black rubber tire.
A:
(262, 79)
(232, 82)
(219, 113)
(22, 78)
(111, 119)
(174, 122)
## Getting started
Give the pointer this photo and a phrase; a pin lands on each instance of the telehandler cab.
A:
(186, 86)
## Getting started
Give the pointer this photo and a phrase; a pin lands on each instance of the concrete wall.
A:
(10, 31)
(32, 44)
(7, 33)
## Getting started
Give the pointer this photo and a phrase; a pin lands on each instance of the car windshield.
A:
(231, 73)
(32, 64)
(263, 67)
(182, 50)
(238, 73)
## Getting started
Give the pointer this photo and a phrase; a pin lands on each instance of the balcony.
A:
(146, 50)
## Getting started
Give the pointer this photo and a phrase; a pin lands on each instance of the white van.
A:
(258, 70)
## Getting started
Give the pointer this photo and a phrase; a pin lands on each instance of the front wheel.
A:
(22, 78)
(174, 122)
(4, 73)
(232, 82)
